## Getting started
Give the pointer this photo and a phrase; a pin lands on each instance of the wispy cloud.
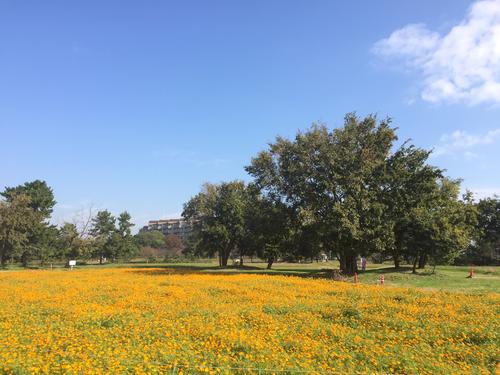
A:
(460, 66)
(461, 142)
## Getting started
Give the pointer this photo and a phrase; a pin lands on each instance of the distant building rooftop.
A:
(179, 227)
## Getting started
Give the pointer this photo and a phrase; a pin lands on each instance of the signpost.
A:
(72, 263)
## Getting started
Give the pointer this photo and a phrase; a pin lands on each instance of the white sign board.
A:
(72, 263)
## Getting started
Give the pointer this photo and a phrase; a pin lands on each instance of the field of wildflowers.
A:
(162, 321)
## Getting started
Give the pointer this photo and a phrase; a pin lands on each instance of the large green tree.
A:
(217, 213)
(16, 219)
(127, 246)
(268, 228)
(335, 177)
(113, 238)
(40, 235)
(104, 232)
(409, 183)
(41, 196)
(486, 248)
(45, 248)
(441, 227)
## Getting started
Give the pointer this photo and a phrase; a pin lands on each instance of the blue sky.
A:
(133, 105)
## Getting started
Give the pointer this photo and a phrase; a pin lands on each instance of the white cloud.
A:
(460, 66)
(461, 141)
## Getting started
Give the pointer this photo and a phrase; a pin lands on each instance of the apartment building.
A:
(179, 227)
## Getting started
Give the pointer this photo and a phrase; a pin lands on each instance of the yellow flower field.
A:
(163, 321)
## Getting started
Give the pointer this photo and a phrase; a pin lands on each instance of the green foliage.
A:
(25, 231)
(346, 191)
(153, 238)
(333, 179)
(217, 213)
(40, 236)
(111, 241)
(486, 247)
(16, 218)
(103, 230)
(127, 246)
(41, 196)
(268, 227)
(409, 184)
(71, 244)
(350, 193)
(45, 247)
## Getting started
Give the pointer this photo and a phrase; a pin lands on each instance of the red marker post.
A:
(355, 278)
(471, 273)
(382, 280)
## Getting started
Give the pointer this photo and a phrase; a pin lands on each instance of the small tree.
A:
(71, 243)
(127, 246)
(217, 213)
(41, 202)
(268, 228)
(45, 248)
(486, 248)
(16, 219)
(441, 228)
(173, 245)
(154, 239)
(103, 231)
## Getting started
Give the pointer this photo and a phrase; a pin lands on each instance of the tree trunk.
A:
(225, 258)
(396, 261)
(270, 262)
(24, 260)
(348, 264)
(422, 261)
(241, 260)
(3, 258)
(414, 270)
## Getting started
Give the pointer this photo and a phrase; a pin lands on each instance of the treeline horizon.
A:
(346, 192)
(26, 233)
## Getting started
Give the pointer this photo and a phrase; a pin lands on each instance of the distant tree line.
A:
(26, 232)
(155, 245)
(347, 192)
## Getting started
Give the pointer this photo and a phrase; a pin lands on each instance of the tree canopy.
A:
(349, 191)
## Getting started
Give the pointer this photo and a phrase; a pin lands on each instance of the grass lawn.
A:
(446, 278)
